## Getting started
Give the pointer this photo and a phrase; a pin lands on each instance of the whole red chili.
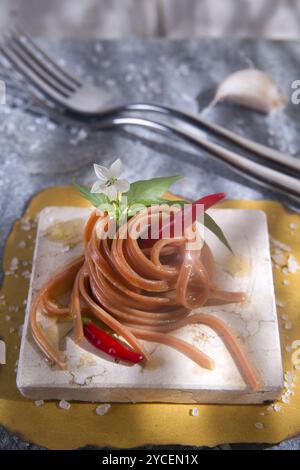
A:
(106, 343)
(189, 213)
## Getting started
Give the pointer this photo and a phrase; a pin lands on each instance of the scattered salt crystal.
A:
(278, 258)
(25, 225)
(51, 126)
(110, 82)
(285, 317)
(285, 282)
(64, 405)
(34, 146)
(280, 303)
(194, 412)
(98, 47)
(259, 425)
(11, 330)
(26, 274)
(81, 135)
(183, 70)
(277, 407)
(22, 244)
(288, 325)
(270, 408)
(262, 414)
(128, 78)
(39, 402)
(292, 264)
(280, 245)
(14, 263)
(61, 62)
(101, 410)
(7, 317)
(289, 376)
(288, 348)
(293, 226)
(285, 398)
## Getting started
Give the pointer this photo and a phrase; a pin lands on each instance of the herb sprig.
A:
(143, 193)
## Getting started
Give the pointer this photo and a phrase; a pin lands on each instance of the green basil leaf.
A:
(152, 189)
(94, 198)
(215, 229)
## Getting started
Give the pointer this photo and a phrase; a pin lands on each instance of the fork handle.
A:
(261, 150)
(252, 170)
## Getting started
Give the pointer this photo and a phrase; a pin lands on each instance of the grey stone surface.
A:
(36, 153)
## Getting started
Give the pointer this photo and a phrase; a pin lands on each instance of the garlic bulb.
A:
(251, 88)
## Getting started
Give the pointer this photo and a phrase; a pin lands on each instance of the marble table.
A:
(36, 152)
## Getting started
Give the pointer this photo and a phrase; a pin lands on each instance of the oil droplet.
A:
(69, 233)
(238, 266)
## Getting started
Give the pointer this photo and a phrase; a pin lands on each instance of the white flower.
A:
(109, 183)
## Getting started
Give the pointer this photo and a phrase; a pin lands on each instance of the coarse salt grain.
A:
(292, 264)
(26, 274)
(278, 258)
(39, 402)
(280, 245)
(293, 226)
(288, 325)
(194, 412)
(101, 410)
(259, 425)
(64, 405)
(285, 398)
(98, 47)
(285, 282)
(277, 407)
(280, 303)
(25, 225)
(289, 377)
(14, 264)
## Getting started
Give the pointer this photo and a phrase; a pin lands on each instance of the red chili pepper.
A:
(106, 343)
(189, 213)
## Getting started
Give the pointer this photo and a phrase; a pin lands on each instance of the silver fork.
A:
(84, 99)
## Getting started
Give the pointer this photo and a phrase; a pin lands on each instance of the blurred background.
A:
(275, 19)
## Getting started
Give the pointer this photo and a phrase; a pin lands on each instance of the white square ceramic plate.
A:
(169, 376)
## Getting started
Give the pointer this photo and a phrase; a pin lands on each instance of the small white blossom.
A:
(109, 182)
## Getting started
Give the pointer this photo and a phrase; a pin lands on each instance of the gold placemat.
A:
(128, 425)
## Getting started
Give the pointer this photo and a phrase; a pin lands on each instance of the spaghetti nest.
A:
(140, 294)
